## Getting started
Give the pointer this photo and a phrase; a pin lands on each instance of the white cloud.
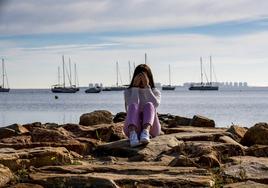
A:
(27, 17)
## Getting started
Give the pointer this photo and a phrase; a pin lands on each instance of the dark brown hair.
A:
(143, 68)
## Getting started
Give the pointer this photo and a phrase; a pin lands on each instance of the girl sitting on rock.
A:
(141, 101)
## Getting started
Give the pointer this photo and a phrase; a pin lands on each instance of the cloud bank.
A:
(68, 16)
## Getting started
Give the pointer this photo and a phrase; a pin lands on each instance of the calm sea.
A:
(226, 107)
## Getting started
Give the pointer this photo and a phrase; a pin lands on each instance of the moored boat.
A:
(93, 90)
(62, 88)
(169, 86)
(209, 86)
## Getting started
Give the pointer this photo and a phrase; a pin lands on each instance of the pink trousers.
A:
(137, 118)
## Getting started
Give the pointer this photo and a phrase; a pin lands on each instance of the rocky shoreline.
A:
(190, 152)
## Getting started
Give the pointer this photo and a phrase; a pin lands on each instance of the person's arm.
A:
(131, 96)
(151, 95)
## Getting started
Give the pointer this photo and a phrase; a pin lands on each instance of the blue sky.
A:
(97, 33)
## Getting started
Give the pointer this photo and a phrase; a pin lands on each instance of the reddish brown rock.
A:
(150, 152)
(209, 160)
(179, 121)
(120, 117)
(96, 117)
(17, 139)
(19, 129)
(258, 134)
(50, 135)
(246, 184)
(103, 132)
(30, 126)
(78, 147)
(237, 131)
(43, 156)
(243, 168)
(26, 185)
(201, 121)
(5, 175)
(12, 130)
(123, 174)
(227, 139)
(182, 160)
(165, 118)
(257, 151)
(6, 132)
(193, 129)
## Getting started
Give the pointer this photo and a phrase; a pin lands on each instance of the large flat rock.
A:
(125, 174)
(248, 168)
(200, 136)
(16, 159)
(147, 152)
(193, 129)
(81, 148)
(246, 184)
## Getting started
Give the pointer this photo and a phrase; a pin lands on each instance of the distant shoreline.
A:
(183, 88)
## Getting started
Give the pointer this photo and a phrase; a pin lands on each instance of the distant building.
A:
(95, 85)
(223, 84)
(157, 84)
(235, 84)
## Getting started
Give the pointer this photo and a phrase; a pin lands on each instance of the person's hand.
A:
(144, 80)
(137, 81)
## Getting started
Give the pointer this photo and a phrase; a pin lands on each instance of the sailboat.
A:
(4, 75)
(117, 87)
(62, 88)
(169, 86)
(204, 86)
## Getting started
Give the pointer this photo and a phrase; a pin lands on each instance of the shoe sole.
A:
(145, 141)
(135, 145)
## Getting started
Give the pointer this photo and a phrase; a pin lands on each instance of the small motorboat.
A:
(93, 90)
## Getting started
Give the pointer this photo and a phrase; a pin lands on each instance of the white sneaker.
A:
(133, 138)
(145, 136)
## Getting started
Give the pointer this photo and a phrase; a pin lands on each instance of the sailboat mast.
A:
(201, 70)
(169, 74)
(129, 71)
(70, 68)
(76, 82)
(3, 73)
(63, 71)
(145, 58)
(75, 74)
(210, 61)
(117, 73)
(58, 75)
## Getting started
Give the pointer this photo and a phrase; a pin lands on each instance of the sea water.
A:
(22, 106)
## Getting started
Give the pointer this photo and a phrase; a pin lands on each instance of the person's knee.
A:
(155, 131)
(149, 105)
(133, 106)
